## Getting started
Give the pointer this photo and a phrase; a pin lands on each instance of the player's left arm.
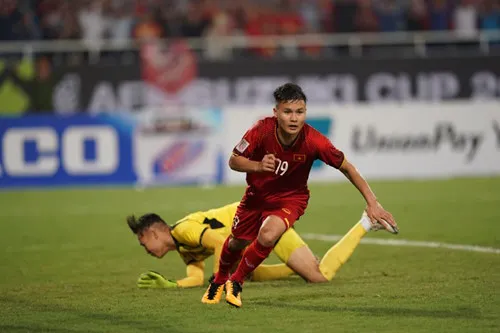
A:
(355, 177)
(334, 157)
(214, 241)
(374, 209)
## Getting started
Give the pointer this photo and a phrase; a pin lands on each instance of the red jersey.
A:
(289, 181)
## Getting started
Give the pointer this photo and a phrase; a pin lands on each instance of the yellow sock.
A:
(271, 272)
(338, 254)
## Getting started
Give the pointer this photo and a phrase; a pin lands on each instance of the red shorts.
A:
(247, 221)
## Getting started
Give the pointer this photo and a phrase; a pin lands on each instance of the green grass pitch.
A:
(68, 263)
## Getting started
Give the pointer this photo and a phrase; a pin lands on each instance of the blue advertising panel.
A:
(110, 149)
(325, 126)
(74, 150)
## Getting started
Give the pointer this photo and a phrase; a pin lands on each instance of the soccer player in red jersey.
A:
(277, 154)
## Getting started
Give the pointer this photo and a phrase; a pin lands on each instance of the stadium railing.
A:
(354, 43)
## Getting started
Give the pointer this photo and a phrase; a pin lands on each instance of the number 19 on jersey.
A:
(281, 168)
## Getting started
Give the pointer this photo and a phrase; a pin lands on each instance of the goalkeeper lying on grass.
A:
(202, 234)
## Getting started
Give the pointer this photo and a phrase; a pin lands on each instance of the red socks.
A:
(254, 255)
(226, 262)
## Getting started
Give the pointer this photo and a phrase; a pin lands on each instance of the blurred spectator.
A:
(417, 18)
(147, 27)
(260, 22)
(236, 9)
(93, 24)
(440, 14)
(196, 20)
(29, 27)
(316, 17)
(216, 46)
(288, 18)
(42, 87)
(170, 18)
(490, 15)
(310, 13)
(120, 21)
(50, 18)
(344, 16)
(326, 8)
(366, 19)
(390, 15)
(69, 21)
(10, 21)
(465, 18)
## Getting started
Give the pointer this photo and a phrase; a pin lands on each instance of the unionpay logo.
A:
(325, 126)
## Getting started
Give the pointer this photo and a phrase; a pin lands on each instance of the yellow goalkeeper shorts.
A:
(289, 242)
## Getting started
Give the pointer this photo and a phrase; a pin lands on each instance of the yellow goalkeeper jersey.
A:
(188, 232)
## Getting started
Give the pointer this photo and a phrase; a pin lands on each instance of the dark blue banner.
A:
(73, 150)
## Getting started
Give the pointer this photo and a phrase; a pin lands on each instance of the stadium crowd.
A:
(121, 19)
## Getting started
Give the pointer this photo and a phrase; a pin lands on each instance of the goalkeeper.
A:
(202, 234)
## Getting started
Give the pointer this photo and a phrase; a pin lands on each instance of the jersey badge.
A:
(242, 146)
(299, 158)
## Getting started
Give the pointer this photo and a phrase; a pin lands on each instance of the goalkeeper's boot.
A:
(213, 293)
(384, 225)
(233, 293)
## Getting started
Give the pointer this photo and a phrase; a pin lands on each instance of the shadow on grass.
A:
(86, 316)
(459, 313)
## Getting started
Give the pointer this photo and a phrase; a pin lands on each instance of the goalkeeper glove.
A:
(154, 280)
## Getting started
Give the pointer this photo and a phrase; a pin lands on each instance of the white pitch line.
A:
(405, 242)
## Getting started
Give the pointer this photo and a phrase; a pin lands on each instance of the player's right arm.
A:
(194, 275)
(240, 159)
(243, 164)
(194, 278)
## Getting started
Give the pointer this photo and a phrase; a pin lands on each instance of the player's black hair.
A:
(289, 92)
(144, 222)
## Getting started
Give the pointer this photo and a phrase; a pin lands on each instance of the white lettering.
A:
(130, 95)
(66, 94)
(484, 85)
(443, 86)
(103, 98)
(45, 162)
(444, 134)
(256, 90)
(37, 152)
(106, 150)
(381, 87)
(220, 91)
(336, 88)
(404, 87)
(201, 89)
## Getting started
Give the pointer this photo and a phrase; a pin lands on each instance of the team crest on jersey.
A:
(299, 158)
(236, 220)
(242, 146)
